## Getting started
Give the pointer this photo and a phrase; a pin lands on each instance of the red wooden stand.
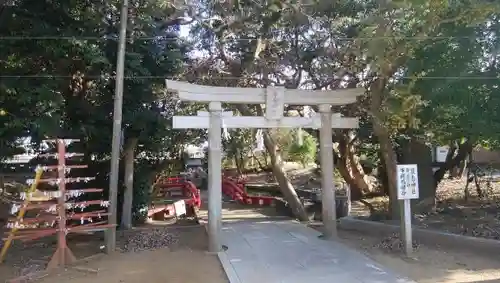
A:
(58, 207)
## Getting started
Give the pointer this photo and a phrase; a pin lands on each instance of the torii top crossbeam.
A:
(200, 93)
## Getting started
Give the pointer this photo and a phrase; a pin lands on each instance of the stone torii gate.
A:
(274, 99)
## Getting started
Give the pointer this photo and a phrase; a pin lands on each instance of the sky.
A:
(184, 30)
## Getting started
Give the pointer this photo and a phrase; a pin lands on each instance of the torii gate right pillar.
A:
(327, 184)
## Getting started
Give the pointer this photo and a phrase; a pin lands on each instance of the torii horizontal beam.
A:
(207, 114)
(256, 122)
(200, 93)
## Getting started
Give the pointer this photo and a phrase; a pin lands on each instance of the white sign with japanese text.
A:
(180, 208)
(407, 176)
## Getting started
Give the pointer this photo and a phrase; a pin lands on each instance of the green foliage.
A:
(142, 196)
(58, 61)
(238, 147)
(304, 153)
(453, 78)
(63, 85)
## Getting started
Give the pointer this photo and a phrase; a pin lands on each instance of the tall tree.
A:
(392, 36)
(57, 64)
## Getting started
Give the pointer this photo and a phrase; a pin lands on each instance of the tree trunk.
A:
(341, 166)
(472, 176)
(242, 161)
(384, 139)
(390, 161)
(347, 163)
(358, 174)
(452, 161)
(128, 195)
(259, 164)
(454, 172)
(2, 184)
(417, 152)
(237, 163)
(279, 173)
(285, 185)
(462, 167)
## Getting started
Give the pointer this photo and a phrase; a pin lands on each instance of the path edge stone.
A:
(224, 261)
(228, 268)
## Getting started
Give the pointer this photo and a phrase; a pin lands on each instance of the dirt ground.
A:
(429, 264)
(176, 264)
(159, 266)
(184, 260)
(474, 217)
(433, 264)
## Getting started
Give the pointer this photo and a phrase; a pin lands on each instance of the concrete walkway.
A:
(290, 252)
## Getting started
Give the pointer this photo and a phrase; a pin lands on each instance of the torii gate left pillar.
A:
(214, 176)
(275, 99)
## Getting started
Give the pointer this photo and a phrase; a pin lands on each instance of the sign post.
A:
(407, 180)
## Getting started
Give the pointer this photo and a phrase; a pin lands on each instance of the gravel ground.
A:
(150, 239)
